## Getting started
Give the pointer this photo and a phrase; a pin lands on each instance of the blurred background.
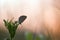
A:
(42, 23)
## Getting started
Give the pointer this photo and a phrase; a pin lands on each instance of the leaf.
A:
(37, 38)
(12, 27)
(5, 22)
(29, 36)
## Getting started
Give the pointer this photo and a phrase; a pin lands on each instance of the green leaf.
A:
(37, 38)
(29, 36)
(5, 22)
(12, 27)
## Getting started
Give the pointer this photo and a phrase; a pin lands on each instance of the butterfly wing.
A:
(22, 18)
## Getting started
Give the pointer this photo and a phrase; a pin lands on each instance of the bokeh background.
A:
(42, 15)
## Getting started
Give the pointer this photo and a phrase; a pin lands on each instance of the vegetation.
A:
(12, 26)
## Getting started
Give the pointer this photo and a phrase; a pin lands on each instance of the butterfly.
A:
(22, 18)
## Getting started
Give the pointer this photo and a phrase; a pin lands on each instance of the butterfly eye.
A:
(22, 18)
